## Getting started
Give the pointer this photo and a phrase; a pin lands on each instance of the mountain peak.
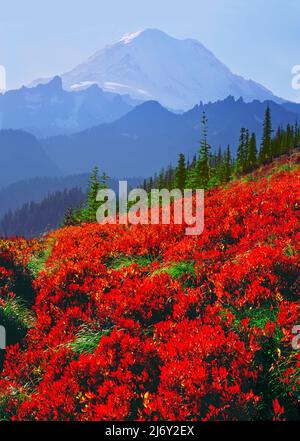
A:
(148, 32)
(129, 37)
(150, 64)
(54, 84)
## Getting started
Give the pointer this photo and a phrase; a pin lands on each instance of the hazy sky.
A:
(259, 39)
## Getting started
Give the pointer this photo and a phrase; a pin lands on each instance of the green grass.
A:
(282, 168)
(258, 317)
(123, 261)
(37, 262)
(87, 340)
(285, 390)
(261, 316)
(289, 251)
(17, 319)
(249, 178)
(17, 314)
(177, 270)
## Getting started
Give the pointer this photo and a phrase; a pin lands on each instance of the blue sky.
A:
(258, 39)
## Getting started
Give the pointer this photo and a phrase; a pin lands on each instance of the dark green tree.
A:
(276, 145)
(265, 153)
(241, 159)
(161, 179)
(227, 164)
(198, 175)
(180, 173)
(252, 153)
(91, 203)
(203, 166)
(103, 181)
(88, 214)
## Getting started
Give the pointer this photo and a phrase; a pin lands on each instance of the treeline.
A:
(86, 211)
(36, 218)
(207, 170)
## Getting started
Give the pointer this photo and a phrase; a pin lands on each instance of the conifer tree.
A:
(252, 153)
(88, 214)
(218, 168)
(92, 205)
(151, 184)
(161, 179)
(265, 153)
(103, 181)
(203, 167)
(198, 175)
(180, 173)
(228, 164)
(169, 177)
(276, 145)
(241, 160)
(289, 137)
(218, 158)
(145, 185)
(193, 163)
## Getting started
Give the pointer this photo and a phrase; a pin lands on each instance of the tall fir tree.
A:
(88, 214)
(252, 153)
(103, 181)
(92, 205)
(180, 173)
(241, 160)
(161, 179)
(203, 167)
(265, 153)
(228, 164)
(169, 177)
(198, 176)
(199, 173)
(276, 145)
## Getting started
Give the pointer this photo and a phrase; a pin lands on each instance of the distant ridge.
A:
(49, 110)
(150, 136)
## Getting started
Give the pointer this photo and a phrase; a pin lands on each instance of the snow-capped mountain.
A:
(151, 65)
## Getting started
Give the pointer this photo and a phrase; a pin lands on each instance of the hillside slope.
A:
(143, 322)
(37, 218)
(22, 157)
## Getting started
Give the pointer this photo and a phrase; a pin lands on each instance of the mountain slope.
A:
(22, 157)
(151, 65)
(19, 193)
(142, 322)
(150, 136)
(292, 107)
(36, 218)
(49, 110)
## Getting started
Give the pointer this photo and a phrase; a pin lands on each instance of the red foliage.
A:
(201, 346)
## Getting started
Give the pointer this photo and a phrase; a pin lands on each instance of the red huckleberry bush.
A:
(142, 322)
